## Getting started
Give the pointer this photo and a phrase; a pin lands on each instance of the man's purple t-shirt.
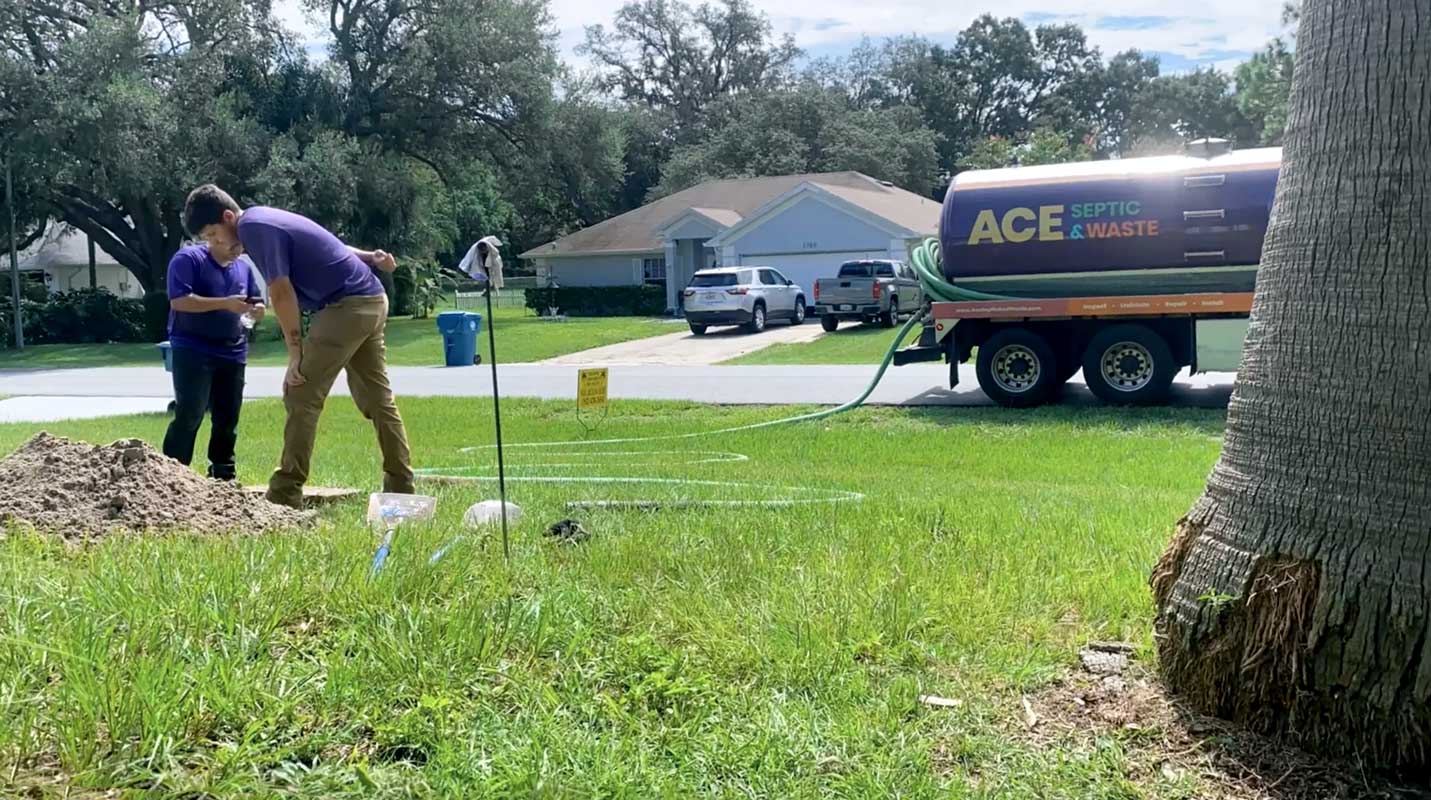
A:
(321, 268)
(217, 333)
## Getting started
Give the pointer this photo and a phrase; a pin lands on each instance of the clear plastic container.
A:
(388, 510)
(489, 512)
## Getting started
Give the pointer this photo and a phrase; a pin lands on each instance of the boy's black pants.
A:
(205, 383)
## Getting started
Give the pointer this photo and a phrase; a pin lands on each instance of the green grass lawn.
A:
(734, 652)
(411, 342)
(851, 344)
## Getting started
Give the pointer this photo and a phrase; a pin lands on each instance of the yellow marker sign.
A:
(590, 388)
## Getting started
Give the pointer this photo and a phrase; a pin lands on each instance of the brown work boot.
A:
(290, 498)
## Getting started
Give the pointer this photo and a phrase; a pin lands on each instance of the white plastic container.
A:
(388, 510)
(489, 512)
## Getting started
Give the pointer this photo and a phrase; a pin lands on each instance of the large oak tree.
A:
(115, 109)
(112, 109)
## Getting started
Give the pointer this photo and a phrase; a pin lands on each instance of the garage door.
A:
(806, 268)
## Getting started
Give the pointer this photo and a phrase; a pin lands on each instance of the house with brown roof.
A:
(803, 225)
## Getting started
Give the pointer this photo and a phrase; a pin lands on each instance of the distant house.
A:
(61, 259)
(803, 225)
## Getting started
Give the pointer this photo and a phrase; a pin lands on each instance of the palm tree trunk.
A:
(1296, 594)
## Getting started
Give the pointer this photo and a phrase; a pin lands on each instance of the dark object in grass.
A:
(568, 531)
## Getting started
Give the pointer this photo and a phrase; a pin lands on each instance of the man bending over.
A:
(308, 268)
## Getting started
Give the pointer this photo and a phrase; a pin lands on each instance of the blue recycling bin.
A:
(459, 337)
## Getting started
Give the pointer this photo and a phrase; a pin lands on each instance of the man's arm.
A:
(194, 304)
(381, 259)
(285, 307)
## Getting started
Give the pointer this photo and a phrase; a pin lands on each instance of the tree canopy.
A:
(425, 124)
(669, 56)
(803, 130)
(389, 142)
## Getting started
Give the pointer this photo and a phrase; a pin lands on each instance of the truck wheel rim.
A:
(1127, 366)
(1016, 368)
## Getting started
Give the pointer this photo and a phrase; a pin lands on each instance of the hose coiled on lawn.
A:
(929, 268)
(927, 265)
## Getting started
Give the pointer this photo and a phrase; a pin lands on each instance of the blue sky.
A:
(1184, 35)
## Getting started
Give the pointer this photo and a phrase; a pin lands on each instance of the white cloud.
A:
(1214, 32)
(295, 18)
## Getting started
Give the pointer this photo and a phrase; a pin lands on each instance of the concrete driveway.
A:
(687, 349)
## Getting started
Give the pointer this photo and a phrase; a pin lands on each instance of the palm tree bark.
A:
(1296, 594)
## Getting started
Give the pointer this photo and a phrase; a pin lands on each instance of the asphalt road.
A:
(914, 385)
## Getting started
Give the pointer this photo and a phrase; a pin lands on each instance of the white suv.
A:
(747, 296)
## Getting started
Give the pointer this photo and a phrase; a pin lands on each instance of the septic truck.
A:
(1129, 270)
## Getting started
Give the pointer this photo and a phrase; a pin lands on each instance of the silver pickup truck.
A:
(866, 291)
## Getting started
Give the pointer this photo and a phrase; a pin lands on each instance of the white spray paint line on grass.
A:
(517, 473)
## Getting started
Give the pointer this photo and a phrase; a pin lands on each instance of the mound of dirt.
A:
(82, 491)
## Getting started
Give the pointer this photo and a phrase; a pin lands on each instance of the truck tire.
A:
(829, 323)
(1017, 368)
(891, 316)
(757, 319)
(698, 330)
(1129, 365)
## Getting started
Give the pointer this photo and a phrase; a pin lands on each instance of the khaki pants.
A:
(347, 335)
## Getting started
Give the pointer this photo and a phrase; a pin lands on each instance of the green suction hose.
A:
(927, 265)
(816, 415)
(448, 475)
(930, 267)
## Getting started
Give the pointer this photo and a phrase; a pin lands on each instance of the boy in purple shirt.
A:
(307, 268)
(209, 347)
